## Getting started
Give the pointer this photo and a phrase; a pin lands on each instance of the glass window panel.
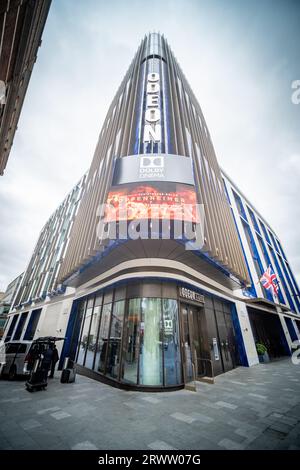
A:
(114, 347)
(76, 334)
(11, 327)
(186, 344)
(151, 342)
(108, 297)
(131, 342)
(226, 308)
(84, 336)
(120, 293)
(20, 326)
(32, 324)
(98, 300)
(171, 344)
(218, 305)
(90, 302)
(92, 338)
(103, 338)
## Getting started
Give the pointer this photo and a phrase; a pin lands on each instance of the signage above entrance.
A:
(153, 167)
(191, 295)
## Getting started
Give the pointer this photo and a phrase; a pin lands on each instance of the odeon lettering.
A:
(152, 129)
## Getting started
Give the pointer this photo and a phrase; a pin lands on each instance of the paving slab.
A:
(247, 408)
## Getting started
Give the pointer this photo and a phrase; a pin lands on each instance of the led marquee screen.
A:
(161, 200)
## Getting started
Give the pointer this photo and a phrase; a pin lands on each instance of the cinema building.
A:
(156, 311)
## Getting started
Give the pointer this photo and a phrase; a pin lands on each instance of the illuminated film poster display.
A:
(152, 200)
(153, 188)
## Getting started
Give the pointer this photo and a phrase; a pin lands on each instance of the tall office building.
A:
(153, 284)
(21, 28)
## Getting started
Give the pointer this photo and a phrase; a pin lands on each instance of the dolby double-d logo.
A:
(152, 166)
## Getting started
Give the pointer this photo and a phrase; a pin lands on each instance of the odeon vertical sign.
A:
(152, 118)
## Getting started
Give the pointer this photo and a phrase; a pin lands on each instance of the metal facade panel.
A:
(184, 133)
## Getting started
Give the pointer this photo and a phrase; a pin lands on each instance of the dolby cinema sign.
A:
(152, 128)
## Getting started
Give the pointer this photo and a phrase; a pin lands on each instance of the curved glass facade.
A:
(146, 334)
(131, 340)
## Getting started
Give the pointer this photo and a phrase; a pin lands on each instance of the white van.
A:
(13, 358)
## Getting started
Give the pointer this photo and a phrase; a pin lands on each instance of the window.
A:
(136, 340)
(265, 232)
(251, 243)
(32, 324)
(98, 300)
(253, 218)
(256, 259)
(114, 347)
(282, 280)
(11, 327)
(297, 298)
(92, 337)
(80, 308)
(291, 328)
(151, 372)
(171, 344)
(226, 192)
(187, 344)
(289, 283)
(268, 263)
(120, 293)
(84, 336)
(281, 249)
(274, 240)
(108, 297)
(131, 342)
(103, 338)
(20, 326)
(239, 205)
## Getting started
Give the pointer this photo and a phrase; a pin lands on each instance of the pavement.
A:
(246, 408)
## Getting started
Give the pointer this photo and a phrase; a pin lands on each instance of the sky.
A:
(240, 58)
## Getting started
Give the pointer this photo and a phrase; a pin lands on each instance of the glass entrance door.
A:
(224, 342)
(198, 329)
(187, 353)
(193, 341)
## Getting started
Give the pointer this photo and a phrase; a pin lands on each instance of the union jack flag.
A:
(269, 279)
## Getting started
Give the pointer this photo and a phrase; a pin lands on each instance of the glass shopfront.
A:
(142, 335)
